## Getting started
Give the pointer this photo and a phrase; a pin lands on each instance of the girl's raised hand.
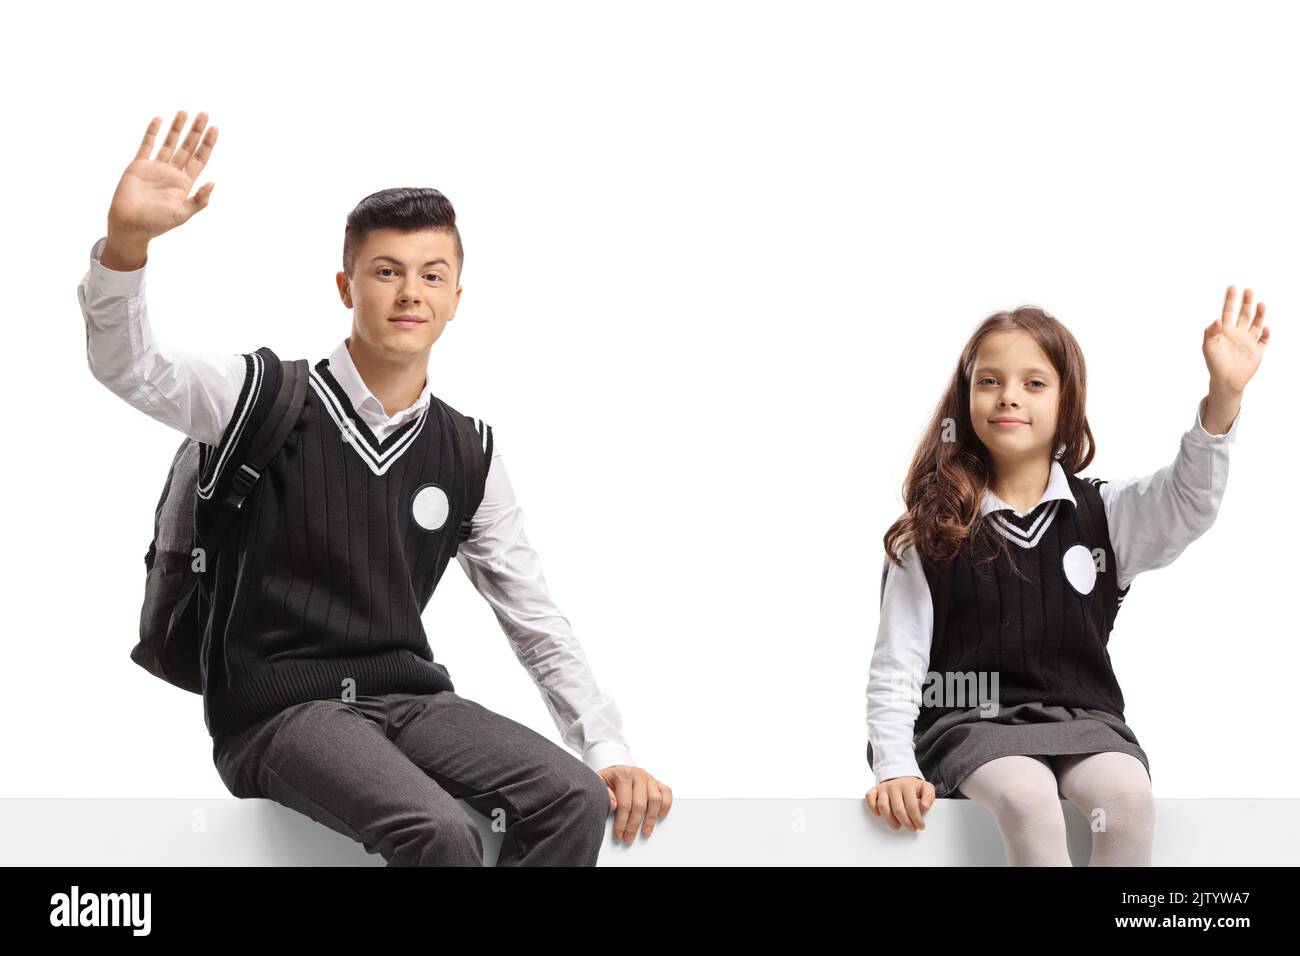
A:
(901, 801)
(1234, 344)
(153, 195)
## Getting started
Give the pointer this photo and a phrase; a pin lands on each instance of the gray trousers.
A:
(385, 771)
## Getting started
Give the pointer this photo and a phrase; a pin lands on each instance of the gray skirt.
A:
(960, 741)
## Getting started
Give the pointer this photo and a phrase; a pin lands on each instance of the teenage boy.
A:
(319, 685)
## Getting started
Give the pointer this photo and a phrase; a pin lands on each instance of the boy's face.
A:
(402, 273)
(1013, 379)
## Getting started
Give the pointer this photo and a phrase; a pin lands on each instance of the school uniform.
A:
(316, 610)
(1044, 631)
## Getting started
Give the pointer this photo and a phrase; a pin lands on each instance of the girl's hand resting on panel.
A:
(901, 801)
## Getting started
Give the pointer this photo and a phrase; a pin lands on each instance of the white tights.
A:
(1111, 789)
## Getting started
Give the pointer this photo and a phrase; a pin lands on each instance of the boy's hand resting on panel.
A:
(638, 799)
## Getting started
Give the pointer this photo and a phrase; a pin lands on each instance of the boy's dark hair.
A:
(409, 209)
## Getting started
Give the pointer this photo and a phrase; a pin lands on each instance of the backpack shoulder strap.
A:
(283, 415)
(217, 462)
(271, 414)
(476, 440)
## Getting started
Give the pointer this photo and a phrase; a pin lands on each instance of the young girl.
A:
(1003, 579)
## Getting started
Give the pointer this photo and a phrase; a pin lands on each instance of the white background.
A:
(720, 261)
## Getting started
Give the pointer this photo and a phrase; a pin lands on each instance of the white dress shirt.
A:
(196, 394)
(1151, 521)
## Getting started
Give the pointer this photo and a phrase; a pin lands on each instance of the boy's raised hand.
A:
(902, 801)
(153, 195)
(1234, 344)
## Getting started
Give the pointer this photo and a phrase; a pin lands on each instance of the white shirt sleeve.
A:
(193, 392)
(1153, 519)
(898, 668)
(504, 568)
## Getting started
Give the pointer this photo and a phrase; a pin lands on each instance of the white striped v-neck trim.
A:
(377, 458)
(1027, 537)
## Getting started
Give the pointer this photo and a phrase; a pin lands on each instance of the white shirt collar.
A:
(363, 400)
(1058, 486)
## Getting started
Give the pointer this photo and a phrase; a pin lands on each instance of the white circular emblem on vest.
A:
(1080, 569)
(430, 507)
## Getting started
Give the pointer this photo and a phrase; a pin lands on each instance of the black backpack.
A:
(175, 608)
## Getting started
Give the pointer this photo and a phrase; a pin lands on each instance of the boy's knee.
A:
(595, 795)
(435, 841)
(579, 794)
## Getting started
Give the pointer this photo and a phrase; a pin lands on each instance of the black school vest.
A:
(341, 544)
(1046, 637)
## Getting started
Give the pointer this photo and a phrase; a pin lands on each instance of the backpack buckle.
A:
(242, 483)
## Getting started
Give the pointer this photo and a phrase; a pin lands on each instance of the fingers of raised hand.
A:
(169, 142)
(1229, 304)
(200, 157)
(1243, 317)
(186, 158)
(1247, 300)
(1257, 326)
(146, 144)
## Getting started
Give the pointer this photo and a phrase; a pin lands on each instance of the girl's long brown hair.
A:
(951, 469)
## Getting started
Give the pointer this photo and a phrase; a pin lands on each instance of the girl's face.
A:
(1013, 397)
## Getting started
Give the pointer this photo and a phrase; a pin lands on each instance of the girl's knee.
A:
(1027, 800)
(1014, 795)
(1114, 786)
(1129, 802)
